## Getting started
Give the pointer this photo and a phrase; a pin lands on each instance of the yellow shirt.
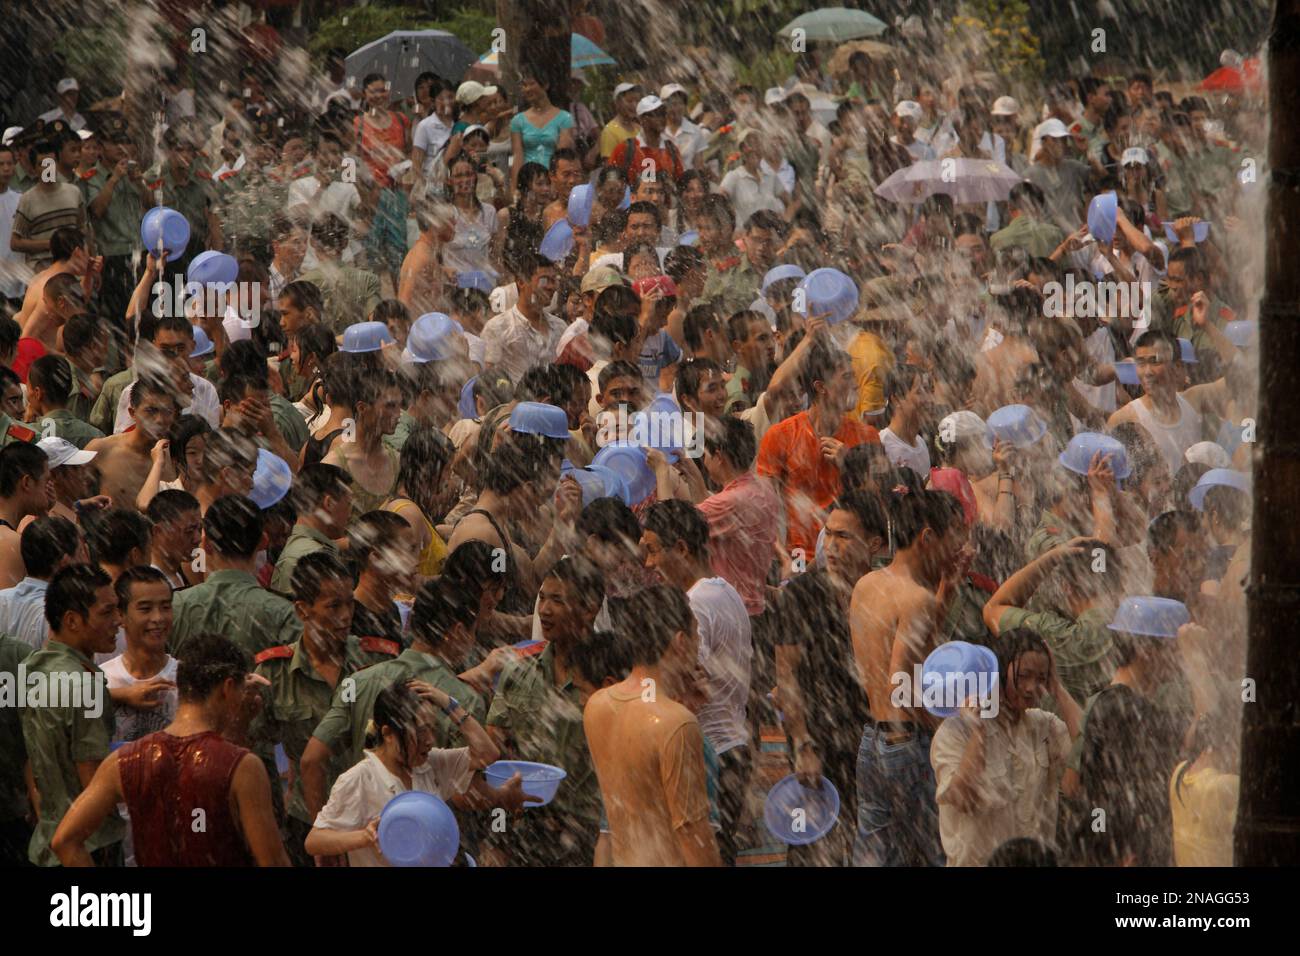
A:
(613, 134)
(1204, 814)
(435, 553)
(872, 361)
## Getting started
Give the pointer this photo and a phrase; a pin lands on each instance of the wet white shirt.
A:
(361, 793)
(726, 651)
(902, 455)
(1018, 790)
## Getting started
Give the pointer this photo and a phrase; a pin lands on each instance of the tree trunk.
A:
(1268, 816)
(536, 42)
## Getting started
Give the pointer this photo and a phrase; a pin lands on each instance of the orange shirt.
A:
(791, 453)
(649, 759)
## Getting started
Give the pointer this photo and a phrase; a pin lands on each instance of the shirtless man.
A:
(420, 284)
(24, 490)
(68, 247)
(124, 458)
(894, 617)
(566, 172)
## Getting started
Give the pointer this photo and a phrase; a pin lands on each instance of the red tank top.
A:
(164, 780)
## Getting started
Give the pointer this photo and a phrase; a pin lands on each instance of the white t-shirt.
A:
(726, 651)
(361, 793)
(13, 265)
(431, 136)
(749, 193)
(131, 724)
(339, 198)
(903, 455)
(204, 402)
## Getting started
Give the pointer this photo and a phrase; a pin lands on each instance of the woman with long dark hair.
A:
(540, 129)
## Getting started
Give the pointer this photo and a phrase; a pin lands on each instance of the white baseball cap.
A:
(670, 88)
(1207, 453)
(909, 109)
(1134, 156)
(774, 95)
(67, 83)
(625, 87)
(60, 452)
(10, 135)
(1051, 127)
(470, 92)
(961, 425)
(648, 104)
(1005, 106)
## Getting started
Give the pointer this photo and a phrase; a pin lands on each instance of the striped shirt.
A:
(41, 211)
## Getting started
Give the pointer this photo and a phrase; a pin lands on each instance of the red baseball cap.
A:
(642, 286)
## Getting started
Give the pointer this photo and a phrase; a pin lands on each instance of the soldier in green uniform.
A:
(15, 808)
(68, 729)
(323, 500)
(86, 347)
(116, 198)
(49, 381)
(443, 625)
(305, 674)
(537, 715)
(181, 183)
(231, 602)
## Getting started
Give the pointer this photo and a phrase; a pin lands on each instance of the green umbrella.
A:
(835, 25)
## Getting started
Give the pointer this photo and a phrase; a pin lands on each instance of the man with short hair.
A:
(48, 205)
(753, 189)
(323, 502)
(350, 294)
(649, 151)
(116, 197)
(48, 545)
(1062, 180)
(166, 778)
(566, 173)
(68, 739)
(648, 752)
(145, 600)
(526, 334)
(688, 137)
(68, 92)
(754, 345)
(1027, 229)
(289, 249)
(822, 705)
(24, 490)
(624, 124)
(125, 458)
(49, 383)
(177, 532)
(735, 287)
(1173, 422)
(675, 541)
(230, 601)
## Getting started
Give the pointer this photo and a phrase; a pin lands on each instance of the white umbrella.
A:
(965, 180)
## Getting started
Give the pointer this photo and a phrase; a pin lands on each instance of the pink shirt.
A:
(743, 525)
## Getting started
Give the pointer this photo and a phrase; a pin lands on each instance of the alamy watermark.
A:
(950, 690)
(676, 430)
(63, 689)
(1105, 299)
(211, 298)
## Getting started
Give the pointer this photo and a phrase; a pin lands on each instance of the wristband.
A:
(452, 704)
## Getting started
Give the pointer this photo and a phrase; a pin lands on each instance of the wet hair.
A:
(304, 295)
(397, 707)
(1023, 851)
(692, 373)
(20, 460)
(766, 219)
(912, 511)
(1153, 337)
(313, 570)
(316, 340)
(233, 525)
(649, 619)
(1229, 505)
(207, 662)
(529, 174)
(471, 564)
(151, 384)
(229, 449)
(642, 207)
(245, 357)
(583, 579)
(1162, 533)
(46, 542)
(619, 369)
(733, 439)
(79, 333)
(612, 322)
(170, 504)
(675, 520)
(233, 388)
(368, 532)
(514, 463)
(451, 599)
(610, 520)
(185, 428)
(1143, 455)
(740, 324)
(330, 232)
(140, 574)
(64, 241)
(390, 309)
(113, 534)
(859, 463)
(1010, 646)
(867, 509)
(1027, 197)
(493, 386)
(1193, 261)
(52, 374)
(72, 591)
(681, 261)
(601, 656)
(699, 320)
(1185, 479)
(822, 363)
(425, 456)
(718, 208)
(317, 481)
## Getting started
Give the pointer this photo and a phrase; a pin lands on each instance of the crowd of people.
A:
(389, 523)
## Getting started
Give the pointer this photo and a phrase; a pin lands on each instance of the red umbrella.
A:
(1232, 79)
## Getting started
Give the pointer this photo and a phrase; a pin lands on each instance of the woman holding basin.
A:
(399, 757)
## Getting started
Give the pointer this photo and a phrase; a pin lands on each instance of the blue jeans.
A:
(898, 818)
